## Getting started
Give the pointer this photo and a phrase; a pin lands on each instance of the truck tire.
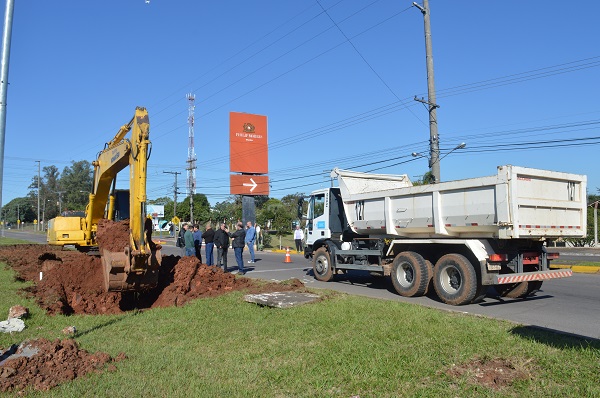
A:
(518, 290)
(454, 279)
(480, 294)
(322, 265)
(430, 283)
(410, 274)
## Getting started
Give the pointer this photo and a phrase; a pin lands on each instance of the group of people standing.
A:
(190, 238)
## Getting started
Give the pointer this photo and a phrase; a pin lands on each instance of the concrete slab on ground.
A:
(281, 299)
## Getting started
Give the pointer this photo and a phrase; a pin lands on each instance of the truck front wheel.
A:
(322, 265)
(410, 274)
(454, 279)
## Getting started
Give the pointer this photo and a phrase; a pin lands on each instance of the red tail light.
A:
(498, 258)
(552, 256)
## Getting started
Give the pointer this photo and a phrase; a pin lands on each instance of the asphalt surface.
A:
(569, 305)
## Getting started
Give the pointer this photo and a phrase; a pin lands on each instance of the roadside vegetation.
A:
(341, 346)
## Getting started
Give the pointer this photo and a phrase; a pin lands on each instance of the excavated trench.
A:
(69, 282)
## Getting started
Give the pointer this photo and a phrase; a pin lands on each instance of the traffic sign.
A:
(248, 184)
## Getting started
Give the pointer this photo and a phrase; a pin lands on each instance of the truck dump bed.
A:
(518, 202)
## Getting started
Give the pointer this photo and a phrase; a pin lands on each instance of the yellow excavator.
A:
(136, 267)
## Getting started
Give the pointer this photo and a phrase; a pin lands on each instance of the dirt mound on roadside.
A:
(491, 373)
(72, 282)
(69, 282)
(46, 364)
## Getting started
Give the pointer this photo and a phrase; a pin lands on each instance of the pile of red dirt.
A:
(112, 235)
(50, 363)
(72, 282)
(69, 282)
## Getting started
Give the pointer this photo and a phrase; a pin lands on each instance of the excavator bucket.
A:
(130, 271)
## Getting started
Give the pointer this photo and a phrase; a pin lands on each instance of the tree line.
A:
(69, 191)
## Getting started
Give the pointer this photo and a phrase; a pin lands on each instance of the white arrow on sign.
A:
(253, 185)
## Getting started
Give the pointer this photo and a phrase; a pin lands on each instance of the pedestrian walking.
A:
(171, 230)
(197, 234)
(238, 246)
(298, 237)
(209, 236)
(221, 241)
(250, 239)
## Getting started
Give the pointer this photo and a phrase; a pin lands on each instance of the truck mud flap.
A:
(532, 276)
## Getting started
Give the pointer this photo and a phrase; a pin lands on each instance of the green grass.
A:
(12, 241)
(589, 264)
(339, 347)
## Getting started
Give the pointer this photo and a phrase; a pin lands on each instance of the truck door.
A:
(317, 223)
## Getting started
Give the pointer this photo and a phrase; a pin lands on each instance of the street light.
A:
(438, 158)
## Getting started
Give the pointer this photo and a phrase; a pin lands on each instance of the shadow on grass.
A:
(105, 324)
(555, 338)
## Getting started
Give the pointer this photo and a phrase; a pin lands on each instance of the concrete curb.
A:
(579, 269)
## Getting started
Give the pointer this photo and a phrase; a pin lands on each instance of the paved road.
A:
(570, 305)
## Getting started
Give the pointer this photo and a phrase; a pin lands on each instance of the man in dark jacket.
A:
(221, 241)
(209, 237)
(238, 246)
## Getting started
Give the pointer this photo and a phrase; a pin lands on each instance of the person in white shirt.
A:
(298, 237)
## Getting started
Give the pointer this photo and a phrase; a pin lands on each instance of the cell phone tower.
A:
(191, 169)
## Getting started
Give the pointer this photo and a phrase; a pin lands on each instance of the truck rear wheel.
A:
(410, 274)
(454, 279)
(322, 265)
(518, 290)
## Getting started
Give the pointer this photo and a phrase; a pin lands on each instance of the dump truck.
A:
(459, 237)
(137, 266)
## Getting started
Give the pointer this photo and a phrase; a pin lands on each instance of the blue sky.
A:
(516, 81)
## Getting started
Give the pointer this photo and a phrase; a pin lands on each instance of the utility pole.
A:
(434, 141)
(38, 196)
(191, 169)
(595, 223)
(174, 191)
(8, 21)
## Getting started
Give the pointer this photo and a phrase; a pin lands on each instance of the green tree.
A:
(228, 211)
(20, 209)
(49, 192)
(279, 214)
(425, 180)
(589, 239)
(76, 183)
(201, 209)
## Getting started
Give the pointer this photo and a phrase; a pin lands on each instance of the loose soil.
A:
(55, 362)
(493, 373)
(69, 282)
